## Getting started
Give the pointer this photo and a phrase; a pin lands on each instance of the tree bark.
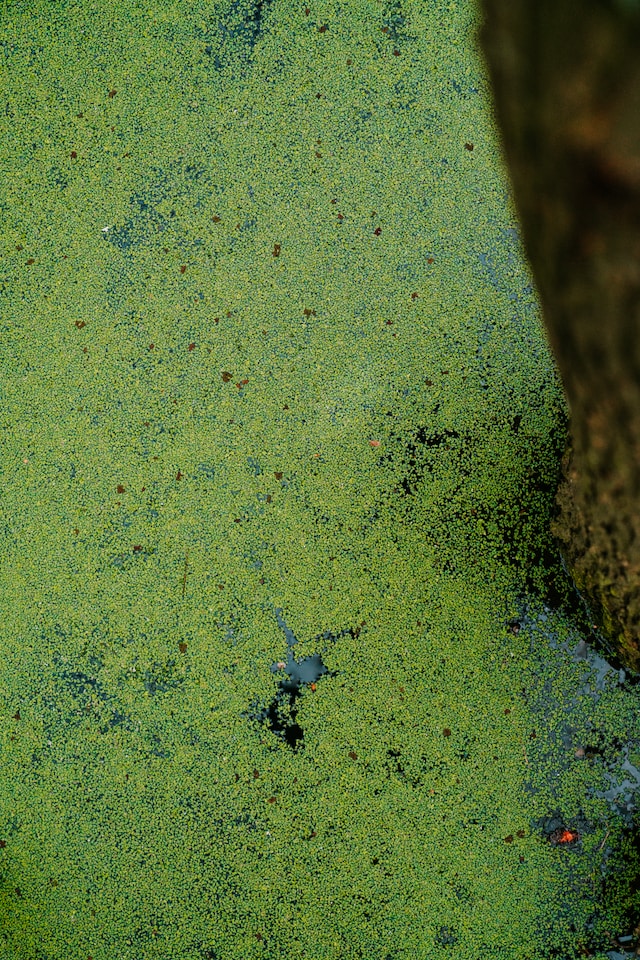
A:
(566, 79)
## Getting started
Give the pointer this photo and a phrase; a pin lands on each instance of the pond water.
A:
(290, 667)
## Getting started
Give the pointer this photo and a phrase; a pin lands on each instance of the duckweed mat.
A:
(280, 674)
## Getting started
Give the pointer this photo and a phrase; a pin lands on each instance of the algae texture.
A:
(280, 677)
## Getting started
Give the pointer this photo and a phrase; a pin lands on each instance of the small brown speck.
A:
(226, 376)
(216, 219)
(120, 488)
(256, 774)
(80, 324)
(396, 53)
(183, 268)
(307, 11)
(429, 259)
(191, 346)
(349, 62)
(353, 754)
(507, 711)
(182, 647)
(278, 475)
(73, 154)
(16, 715)
(323, 28)
(112, 93)
(179, 475)
(468, 146)
(30, 261)
(446, 732)
(137, 548)
(3, 844)
(414, 296)
(271, 800)
(276, 250)
(509, 839)
(151, 346)
(378, 231)
(520, 834)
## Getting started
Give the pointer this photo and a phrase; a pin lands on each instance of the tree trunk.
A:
(566, 80)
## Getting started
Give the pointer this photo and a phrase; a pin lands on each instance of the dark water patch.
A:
(415, 460)
(446, 937)
(234, 37)
(280, 715)
(147, 223)
(394, 21)
(585, 732)
(161, 677)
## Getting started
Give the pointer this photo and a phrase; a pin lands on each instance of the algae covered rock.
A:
(281, 432)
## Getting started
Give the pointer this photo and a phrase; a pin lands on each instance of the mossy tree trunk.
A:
(566, 80)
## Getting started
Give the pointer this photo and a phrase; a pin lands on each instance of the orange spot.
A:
(313, 686)
(374, 443)
(568, 836)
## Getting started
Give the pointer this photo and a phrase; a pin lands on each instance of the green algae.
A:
(225, 393)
